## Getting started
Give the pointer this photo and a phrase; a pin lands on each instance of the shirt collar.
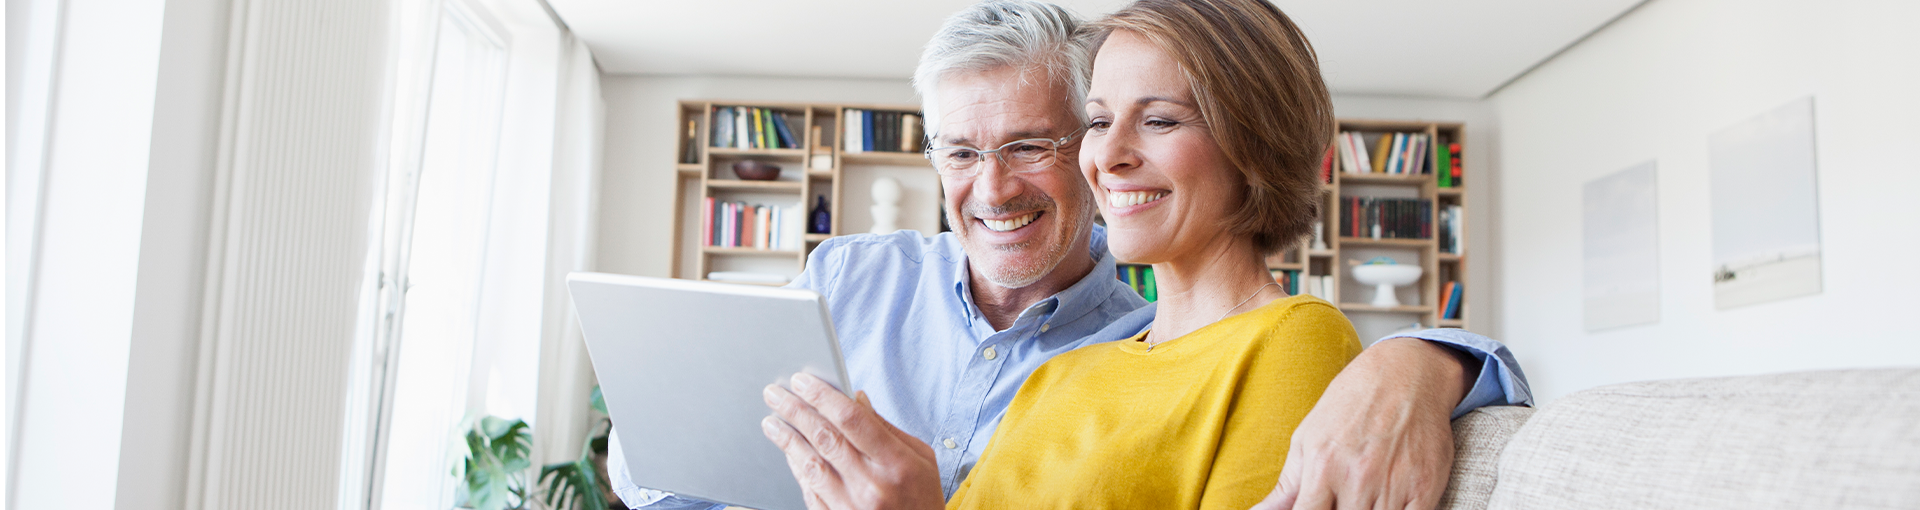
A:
(1069, 304)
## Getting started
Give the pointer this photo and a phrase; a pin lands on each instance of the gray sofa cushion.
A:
(1478, 438)
(1841, 439)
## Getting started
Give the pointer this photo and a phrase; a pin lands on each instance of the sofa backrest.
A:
(1837, 439)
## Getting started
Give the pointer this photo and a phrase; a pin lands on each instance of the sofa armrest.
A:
(1478, 438)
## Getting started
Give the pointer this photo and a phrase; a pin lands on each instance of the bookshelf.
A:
(705, 172)
(815, 163)
(1419, 302)
(1435, 203)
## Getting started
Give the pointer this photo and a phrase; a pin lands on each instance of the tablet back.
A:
(682, 364)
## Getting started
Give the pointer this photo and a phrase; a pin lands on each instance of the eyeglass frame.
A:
(1057, 143)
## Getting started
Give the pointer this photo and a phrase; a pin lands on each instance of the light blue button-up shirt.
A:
(932, 365)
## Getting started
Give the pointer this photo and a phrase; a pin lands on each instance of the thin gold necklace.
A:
(1256, 293)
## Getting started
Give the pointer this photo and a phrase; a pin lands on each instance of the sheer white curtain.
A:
(488, 203)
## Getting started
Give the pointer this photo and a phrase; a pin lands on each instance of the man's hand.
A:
(845, 455)
(1380, 437)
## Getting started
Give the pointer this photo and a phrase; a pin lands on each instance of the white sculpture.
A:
(886, 205)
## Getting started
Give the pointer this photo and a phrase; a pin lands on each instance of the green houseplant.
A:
(493, 475)
(575, 485)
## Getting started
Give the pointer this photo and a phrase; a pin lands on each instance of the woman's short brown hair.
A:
(1258, 85)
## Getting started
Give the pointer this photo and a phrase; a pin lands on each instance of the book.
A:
(1451, 219)
(1396, 156)
(1443, 156)
(1152, 293)
(1454, 291)
(1326, 164)
(1343, 149)
(1416, 154)
(740, 128)
(1380, 152)
(910, 138)
(722, 127)
(760, 128)
(883, 132)
(1459, 165)
(851, 122)
(866, 127)
(706, 221)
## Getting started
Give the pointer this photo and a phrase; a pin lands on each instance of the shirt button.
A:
(1045, 327)
(949, 443)
(989, 354)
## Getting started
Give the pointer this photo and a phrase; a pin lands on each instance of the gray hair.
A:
(1023, 34)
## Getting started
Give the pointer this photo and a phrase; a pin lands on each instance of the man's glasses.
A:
(1020, 156)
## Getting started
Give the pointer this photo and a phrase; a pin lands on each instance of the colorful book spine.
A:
(866, 125)
(851, 125)
(1380, 153)
(1459, 165)
(1326, 164)
(787, 140)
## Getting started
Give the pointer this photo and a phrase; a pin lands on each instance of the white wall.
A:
(638, 185)
(1653, 86)
(80, 323)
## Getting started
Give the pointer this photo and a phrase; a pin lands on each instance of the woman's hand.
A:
(845, 455)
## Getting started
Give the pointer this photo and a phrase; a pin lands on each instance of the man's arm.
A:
(1381, 437)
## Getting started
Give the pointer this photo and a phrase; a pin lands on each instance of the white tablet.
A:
(682, 365)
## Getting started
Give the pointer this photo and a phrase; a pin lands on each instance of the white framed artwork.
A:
(1766, 211)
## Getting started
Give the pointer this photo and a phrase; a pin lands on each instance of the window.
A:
(435, 267)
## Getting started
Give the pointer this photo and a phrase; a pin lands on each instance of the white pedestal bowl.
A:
(1384, 277)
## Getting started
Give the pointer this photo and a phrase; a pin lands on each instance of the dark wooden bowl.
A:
(756, 170)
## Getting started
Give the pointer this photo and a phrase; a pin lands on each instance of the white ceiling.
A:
(1427, 48)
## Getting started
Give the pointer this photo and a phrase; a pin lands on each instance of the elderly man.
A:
(939, 332)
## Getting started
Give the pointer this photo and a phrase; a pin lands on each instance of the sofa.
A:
(1832, 439)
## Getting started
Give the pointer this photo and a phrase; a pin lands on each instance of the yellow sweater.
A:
(1202, 421)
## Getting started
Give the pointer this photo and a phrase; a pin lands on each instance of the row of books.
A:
(1386, 218)
(743, 225)
(1450, 300)
(1393, 154)
(882, 131)
(1141, 278)
(1297, 283)
(743, 127)
(1452, 218)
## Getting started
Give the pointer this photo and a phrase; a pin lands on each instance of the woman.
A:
(1206, 120)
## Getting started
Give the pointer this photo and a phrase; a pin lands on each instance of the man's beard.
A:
(1026, 271)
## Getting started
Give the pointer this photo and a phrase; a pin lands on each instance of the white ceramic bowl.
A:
(1384, 277)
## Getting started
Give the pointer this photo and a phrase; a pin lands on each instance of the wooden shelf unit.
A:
(1437, 268)
(712, 175)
